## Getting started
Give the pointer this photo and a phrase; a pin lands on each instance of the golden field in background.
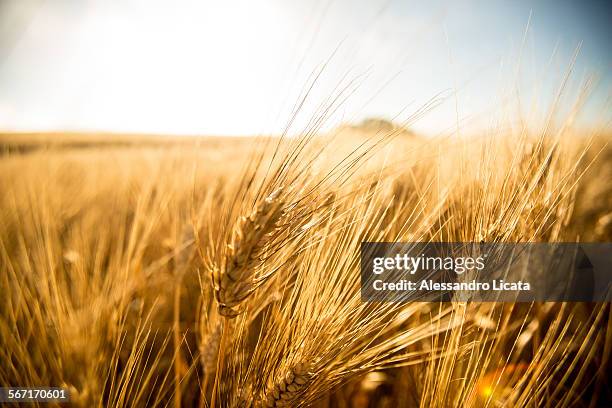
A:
(148, 271)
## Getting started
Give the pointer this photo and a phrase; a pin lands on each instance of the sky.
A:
(241, 67)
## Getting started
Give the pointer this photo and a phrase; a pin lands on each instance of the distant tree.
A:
(382, 125)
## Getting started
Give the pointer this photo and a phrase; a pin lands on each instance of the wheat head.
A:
(234, 280)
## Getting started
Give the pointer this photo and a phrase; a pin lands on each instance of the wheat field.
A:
(224, 272)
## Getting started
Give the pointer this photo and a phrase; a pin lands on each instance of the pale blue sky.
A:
(238, 66)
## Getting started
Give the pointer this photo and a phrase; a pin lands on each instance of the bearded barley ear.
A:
(287, 389)
(210, 348)
(234, 280)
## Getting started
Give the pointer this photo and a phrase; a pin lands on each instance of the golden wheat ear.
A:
(234, 280)
(209, 348)
(288, 388)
